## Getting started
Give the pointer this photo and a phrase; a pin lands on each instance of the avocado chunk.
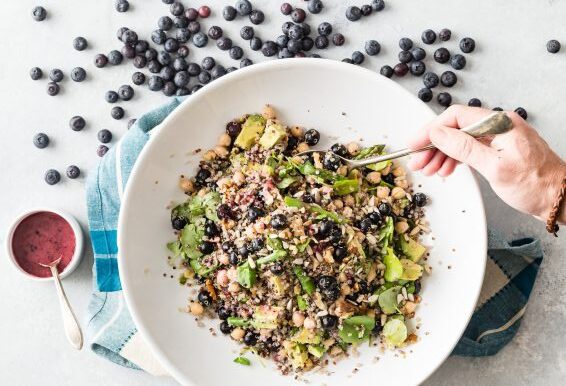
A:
(265, 317)
(297, 354)
(274, 132)
(306, 337)
(251, 129)
(317, 351)
(411, 248)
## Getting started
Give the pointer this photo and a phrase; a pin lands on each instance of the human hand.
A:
(519, 165)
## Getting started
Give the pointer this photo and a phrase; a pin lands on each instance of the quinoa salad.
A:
(298, 256)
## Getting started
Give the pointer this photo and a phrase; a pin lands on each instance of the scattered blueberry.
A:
(401, 69)
(200, 39)
(129, 37)
(448, 79)
(467, 45)
(52, 88)
(444, 35)
(247, 32)
(115, 57)
(52, 177)
(269, 48)
(181, 22)
(80, 43)
(358, 57)
(522, 113)
(405, 56)
(282, 41)
(298, 15)
(372, 47)
(250, 339)
(180, 64)
(126, 92)
(128, 51)
(256, 43)
(312, 137)
(208, 63)
(164, 58)
(405, 44)
(296, 32)
(553, 46)
(444, 99)
(77, 123)
(236, 53)
(39, 13)
(224, 43)
(257, 17)
(155, 83)
(441, 55)
(182, 52)
(244, 7)
(286, 9)
(120, 32)
(122, 5)
(431, 80)
(474, 102)
(315, 6)
(181, 79)
(217, 72)
(169, 89)
(353, 13)
(305, 44)
(229, 13)
(425, 94)
(165, 23)
(78, 74)
(41, 140)
(338, 39)
(418, 53)
(117, 112)
(158, 36)
(101, 150)
(171, 45)
(191, 14)
(366, 10)
(386, 71)
(417, 68)
(73, 172)
(215, 32)
(167, 73)
(204, 11)
(100, 60)
(177, 9)
(56, 75)
(194, 27)
(458, 62)
(36, 73)
(111, 96)
(139, 61)
(420, 199)
(321, 42)
(428, 36)
(245, 62)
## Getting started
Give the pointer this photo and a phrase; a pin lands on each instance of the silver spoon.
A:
(494, 124)
(72, 328)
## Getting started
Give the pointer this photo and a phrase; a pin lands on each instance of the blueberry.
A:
(101, 150)
(384, 208)
(321, 42)
(204, 11)
(200, 39)
(56, 75)
(117, 112)
(296, 31)
(35, 73)
(111, 96)
(158, 36)
(325, 29)
(73, 172)
(339, 150)
(389, 178)
(181, 79)
(329, 322)
(331, 294)
(386, 71)
(183, 35)
(194, 27)
(365, 225)
(224, 212)
(331, 162)
(208, 63)
(467, 45)
(401, 69)
(286, 9)
(171, 45)
(250, 339)
(206, 247)
(204, 298)
(233, 258)
(256, 43)
(278, 221)
(104, 136)
(312, 136)
(217, 71)
(182, 91)
(256, 245)
(236, 53)
(176, 9)
(77, 123)
(245, 62)
(52, 88)
(78, 74)
(257, 17)
(182, 22)
(229, 13)
(298, 15)
(244, 7)
(227, 246)
(254, 213)
(41, 140)
(52, 177)
(224, 43)
(431, 80)
(417, 68)
(306, 44)
(442, 55)
(420, 199)
(183, 51)
(405, 44)
(425, 94)
(122, 5)
(366, 10)
(165, 23)
(231, 69)
(326, 282)
(444, 99)
(428, 36)
(39, 13)
(282, 41)
(115, 57)
(372, 47)
(128, 51)
(247, 32)
(80, 43)
(151, 54)
(378, 5)
(353, 13)
(340, 252)
(277, 268)
(474, 102)
(100, 60)
(129, 37)
(458, 62)
(210, 229)
(126, 92)
(448, 78)
(120, 32)
(243, 251)
(521, 112)
(269, 48)
(139, 61)
(180, 64)
(553, 46)
(405, 56)
(225, 328)
(191, 14)
(444, 35)
(374, 217)
(325, 227)
(418, 53)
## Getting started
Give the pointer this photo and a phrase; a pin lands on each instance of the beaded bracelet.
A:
(551, 225)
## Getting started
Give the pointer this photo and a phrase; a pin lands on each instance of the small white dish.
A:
(79, 243)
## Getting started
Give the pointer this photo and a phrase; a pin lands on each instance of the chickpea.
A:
(224, 140)
(374, 178)
(353, 148)
(309, 324)
(401, 227)
(348, 200)
(268, 112)
(398, 193)
(221, 151)
(196, 308)
(234, 287)
(298, 318)
(222, 278)
(382, 192)
(401, 182)
(301, 147)
(338, 204)
(399, 171)
(297, 131)
(186, 185)
(386, 170)
(209, 155)
(237, 333)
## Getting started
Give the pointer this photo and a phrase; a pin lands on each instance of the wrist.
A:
(550, 189)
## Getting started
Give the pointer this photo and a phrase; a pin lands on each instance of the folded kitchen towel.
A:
(510, 274)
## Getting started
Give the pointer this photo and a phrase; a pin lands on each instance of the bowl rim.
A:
(286, 64)
(77, 231)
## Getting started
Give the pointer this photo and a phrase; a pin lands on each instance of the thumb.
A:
(462, 147)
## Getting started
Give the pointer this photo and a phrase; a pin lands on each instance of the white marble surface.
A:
(509, 68)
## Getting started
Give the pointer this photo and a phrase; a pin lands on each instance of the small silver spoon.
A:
(494, 124)
(72, 328)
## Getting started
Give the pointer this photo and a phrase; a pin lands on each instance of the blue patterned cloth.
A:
(510, 274)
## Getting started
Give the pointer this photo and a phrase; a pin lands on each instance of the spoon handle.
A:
(493, 124)
(72, 328)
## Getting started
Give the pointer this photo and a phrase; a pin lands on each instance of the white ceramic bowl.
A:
(341, 100)
(77, 255)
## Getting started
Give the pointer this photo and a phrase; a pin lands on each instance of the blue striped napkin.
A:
(511, 268)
